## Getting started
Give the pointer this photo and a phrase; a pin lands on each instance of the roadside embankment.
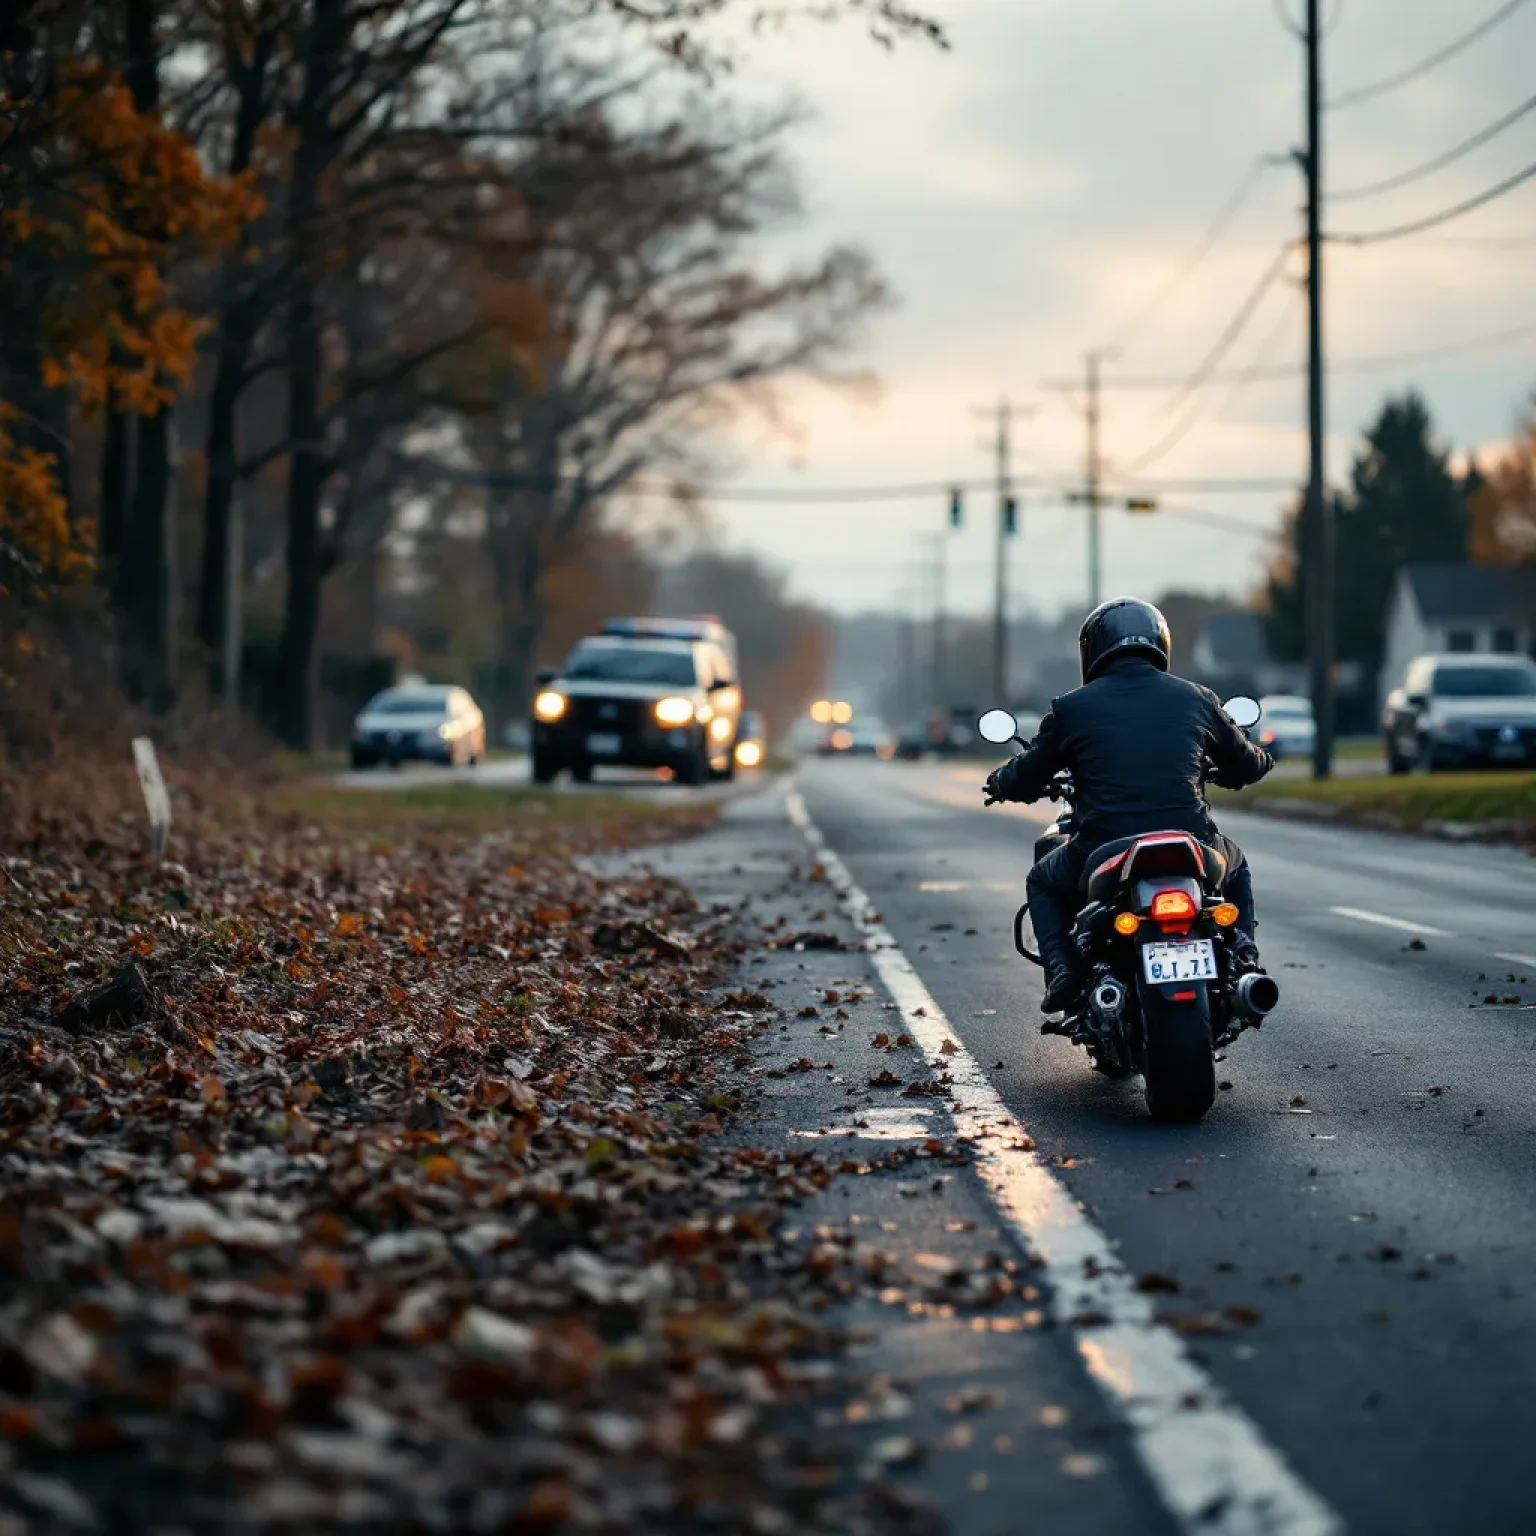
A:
(1462, 807)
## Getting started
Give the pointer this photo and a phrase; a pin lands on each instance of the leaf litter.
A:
(376, 1182)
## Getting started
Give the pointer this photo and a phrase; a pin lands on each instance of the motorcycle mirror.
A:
(997, 726)
(1243, 711)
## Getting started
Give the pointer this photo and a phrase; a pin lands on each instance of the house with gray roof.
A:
(1231, 654)
(1471, 608)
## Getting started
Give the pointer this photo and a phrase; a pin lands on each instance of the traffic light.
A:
(1011, 516)
(956, 508)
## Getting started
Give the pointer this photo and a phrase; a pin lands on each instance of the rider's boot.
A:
(1063, 995)
(1052, 918)
(1063, 989)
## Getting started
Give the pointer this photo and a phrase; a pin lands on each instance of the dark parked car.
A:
(1462, 711)
(638, 703)
(421, 722)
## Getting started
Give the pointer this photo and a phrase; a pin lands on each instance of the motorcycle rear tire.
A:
(1180, 1070)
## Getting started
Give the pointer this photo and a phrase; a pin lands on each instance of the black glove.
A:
(993, 790)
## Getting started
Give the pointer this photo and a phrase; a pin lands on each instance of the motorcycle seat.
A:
(1102, 872)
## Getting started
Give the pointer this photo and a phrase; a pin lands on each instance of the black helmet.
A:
(1123, 626)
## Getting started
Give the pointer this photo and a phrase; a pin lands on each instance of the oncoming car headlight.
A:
(721, 727)
(549, 706)
(674, 711)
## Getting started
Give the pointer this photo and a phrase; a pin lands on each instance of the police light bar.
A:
(663, 629)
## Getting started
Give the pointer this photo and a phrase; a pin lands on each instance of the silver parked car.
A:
(420, 722)
(1462, 710)
(1286, 726)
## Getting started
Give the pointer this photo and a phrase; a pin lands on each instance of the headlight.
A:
(675, 711)
(720, 728)
(748, 753)
(1451, 730)
(445, 731)
(549, 706)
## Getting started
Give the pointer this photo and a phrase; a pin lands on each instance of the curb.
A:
(1509, 833)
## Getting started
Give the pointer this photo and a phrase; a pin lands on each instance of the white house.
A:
(1438, 608)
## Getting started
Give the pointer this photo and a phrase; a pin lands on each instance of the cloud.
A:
(1032, 189)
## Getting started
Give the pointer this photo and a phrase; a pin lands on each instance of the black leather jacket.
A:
(1136, 741)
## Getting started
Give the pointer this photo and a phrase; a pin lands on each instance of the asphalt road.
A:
(1367, 1183)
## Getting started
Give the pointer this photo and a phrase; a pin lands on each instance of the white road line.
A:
(1529, 960)
(1211, 1466)
(1381, 920)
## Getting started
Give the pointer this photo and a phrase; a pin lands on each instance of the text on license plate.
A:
(606, 745)
(1195, 961)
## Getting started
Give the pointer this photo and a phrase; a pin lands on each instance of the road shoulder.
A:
(959, 1403)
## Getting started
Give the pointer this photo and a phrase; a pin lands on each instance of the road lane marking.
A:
(1381, 920)
(1516, 959)
(1211, 1466)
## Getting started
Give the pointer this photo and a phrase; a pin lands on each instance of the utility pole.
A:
(1007, 526)
(940, 616)
(1317, 570)
(1093, 495)
(904, 659)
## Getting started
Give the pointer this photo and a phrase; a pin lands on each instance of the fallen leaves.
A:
(366, 1181)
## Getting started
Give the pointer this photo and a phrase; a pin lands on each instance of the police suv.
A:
(649, 694)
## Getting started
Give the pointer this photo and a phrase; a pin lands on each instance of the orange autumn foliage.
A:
(102, 198)
(35, 526)
(1502, 519)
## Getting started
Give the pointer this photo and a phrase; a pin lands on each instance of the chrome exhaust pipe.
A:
(1108, 999)
(1255, 995)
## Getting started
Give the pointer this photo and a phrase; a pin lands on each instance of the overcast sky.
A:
(1030, 192)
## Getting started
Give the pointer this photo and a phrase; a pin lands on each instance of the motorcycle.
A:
(1164, 993)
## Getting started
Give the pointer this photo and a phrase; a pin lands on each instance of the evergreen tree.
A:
(1404, 506)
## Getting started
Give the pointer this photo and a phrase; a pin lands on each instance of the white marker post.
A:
(156, 801)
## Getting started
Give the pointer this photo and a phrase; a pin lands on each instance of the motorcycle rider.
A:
(1140, 744)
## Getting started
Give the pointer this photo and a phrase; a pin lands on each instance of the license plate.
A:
(604, 745)
(1164, 963)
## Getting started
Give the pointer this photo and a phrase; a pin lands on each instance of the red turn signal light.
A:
(1224, 914)
(1173, 907)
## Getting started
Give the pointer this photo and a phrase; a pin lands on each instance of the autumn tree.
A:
(1404, 505)
(1502, 512)
(660, 324)
(97, 195)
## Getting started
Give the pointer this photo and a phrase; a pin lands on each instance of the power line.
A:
(1256, 369)
(1235, 327)
(1432, 221)
(1181, 429)
(1480, 243)
(423, 468)
(432, 469)
(1224, 344)
(1215, 520)
(1392, 183)
(1423, 67)
(1202, 249)
(1364, 363)
(1213, 484)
